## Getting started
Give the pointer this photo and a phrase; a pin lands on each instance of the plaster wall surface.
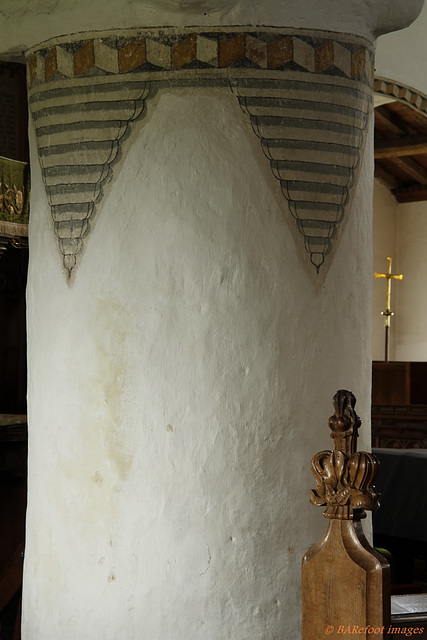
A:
(385, 239)
(190, 367)
(24, 23)
(400, 231)
(400, 55)
(411, 340)
(400, 228)
(180, 383)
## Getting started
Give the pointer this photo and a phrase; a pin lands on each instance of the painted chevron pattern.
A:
(312, 133)
(79, 131)
(401, 93)
(154, 50)
(307, 97)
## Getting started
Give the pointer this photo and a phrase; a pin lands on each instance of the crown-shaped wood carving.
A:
(345, 582)
(344, 476)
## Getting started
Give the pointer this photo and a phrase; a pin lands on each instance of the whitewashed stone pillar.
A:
(199, 288)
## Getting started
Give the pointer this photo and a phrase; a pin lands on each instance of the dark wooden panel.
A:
(414, 193)
(401, 146)
(13, 362)
(399, 383)
(401, 151)
(13, 111)
(418, 373)
(399, 427)
(390, 383)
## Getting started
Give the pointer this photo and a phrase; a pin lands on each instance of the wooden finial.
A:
(344, 476)
(345, 422)
(345, 582)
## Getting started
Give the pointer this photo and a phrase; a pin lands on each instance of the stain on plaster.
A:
(112, 364)
(98, 479)
(307, 94)
(108, 438)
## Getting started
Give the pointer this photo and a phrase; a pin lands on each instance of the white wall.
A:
(180, 385)
(385, 237)
(190, 371)
(24, 23)
(411, 335)
(402, 228)
(400, 231)
(400, 56)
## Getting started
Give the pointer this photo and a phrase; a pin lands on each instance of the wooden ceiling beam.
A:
(402, 146)
(412, 169)
(385, 121)
(386, 178)
(416, 193)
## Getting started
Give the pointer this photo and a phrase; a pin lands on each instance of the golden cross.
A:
(388, 312)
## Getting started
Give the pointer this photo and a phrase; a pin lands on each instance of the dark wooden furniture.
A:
(409, 612)
(346, 582)
(399, 439)
(401, 149)
(13, 483)
(402, 484)
(13, 498)
(399, 405)
(401, 524)
(10, 586)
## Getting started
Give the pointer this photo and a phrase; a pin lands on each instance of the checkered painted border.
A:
(162, 51)
(307, 96)
(401, 93)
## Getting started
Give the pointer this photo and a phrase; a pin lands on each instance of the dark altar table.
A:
(400, 524)
(402, 483)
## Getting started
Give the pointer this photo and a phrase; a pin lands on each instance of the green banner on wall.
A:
(14, 195)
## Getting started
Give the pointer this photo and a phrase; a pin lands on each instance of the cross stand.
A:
(388, 312)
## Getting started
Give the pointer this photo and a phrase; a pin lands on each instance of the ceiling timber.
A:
(401, 151)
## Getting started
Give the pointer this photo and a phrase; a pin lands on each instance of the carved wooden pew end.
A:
(345, 582)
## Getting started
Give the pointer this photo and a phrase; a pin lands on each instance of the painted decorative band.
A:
(307, 97)
(402, 93)
(163, 50)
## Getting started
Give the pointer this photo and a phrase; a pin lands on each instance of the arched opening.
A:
(399, 397)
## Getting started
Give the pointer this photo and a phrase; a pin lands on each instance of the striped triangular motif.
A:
(311, 129)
